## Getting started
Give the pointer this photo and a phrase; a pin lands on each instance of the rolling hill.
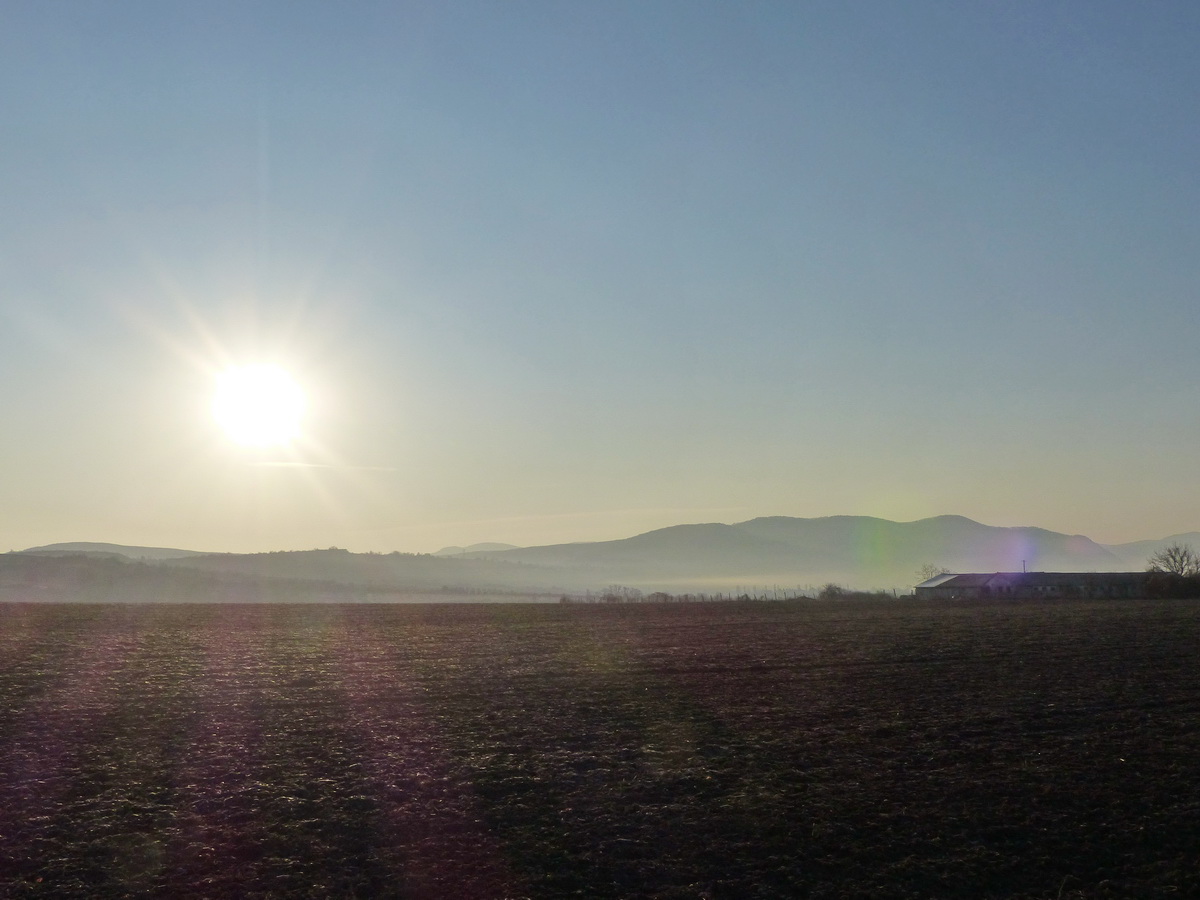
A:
(855, 551)
(859, 551)
(90, 548)
(1135, 553)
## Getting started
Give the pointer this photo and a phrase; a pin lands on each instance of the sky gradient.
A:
(571, 271)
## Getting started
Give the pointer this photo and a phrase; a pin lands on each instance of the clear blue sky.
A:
(570, 271)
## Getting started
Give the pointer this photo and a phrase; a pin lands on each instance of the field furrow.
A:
(825, 750)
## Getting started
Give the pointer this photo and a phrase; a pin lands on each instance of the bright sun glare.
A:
(259, 405)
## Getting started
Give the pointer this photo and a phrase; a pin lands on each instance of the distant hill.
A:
(1135, 554)
(474, 548)
(859, 551)
(384, 571)
(88, 548)
(776, 551)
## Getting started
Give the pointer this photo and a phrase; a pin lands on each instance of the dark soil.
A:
(886, 749)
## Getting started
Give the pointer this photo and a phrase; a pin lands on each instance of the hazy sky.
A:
(570, 271)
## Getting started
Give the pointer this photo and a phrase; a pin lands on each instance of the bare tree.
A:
(619, 593)
(1177, 559)
(929, 570)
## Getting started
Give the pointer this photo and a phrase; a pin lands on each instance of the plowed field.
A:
(721, 751)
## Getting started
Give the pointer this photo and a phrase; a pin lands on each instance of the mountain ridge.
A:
(859, 550)
(95, 548)
(862, 552)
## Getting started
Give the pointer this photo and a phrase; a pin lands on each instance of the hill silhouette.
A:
(485, 547)
(859, 552)
(1135, 553)
(91, 548)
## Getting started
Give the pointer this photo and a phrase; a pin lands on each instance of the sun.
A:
(259, 405)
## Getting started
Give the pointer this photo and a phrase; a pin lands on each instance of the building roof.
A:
(937, 580)
(1030, 579)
